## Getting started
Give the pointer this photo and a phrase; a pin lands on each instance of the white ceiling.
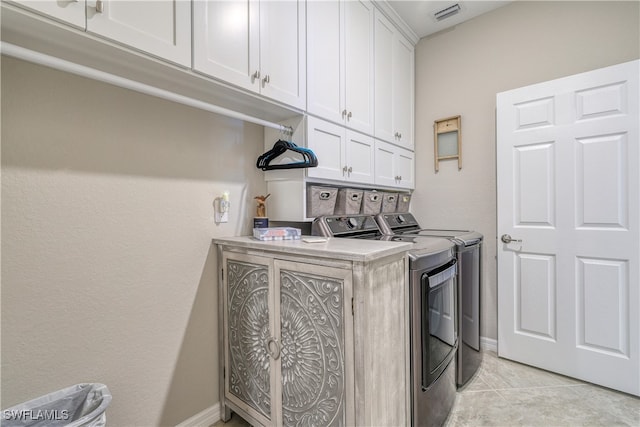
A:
(418, 14)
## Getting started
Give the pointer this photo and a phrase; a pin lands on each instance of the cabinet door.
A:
(395, 166)
(70, 12)
(315, 366)
(358, 54)
(403, 95)
(327, 142)
(283, 51)
(226, 41)
(325, 71)
(405, 168)
(250, 327)
(383, 105)
(360, 157)
(160, 28)
(385, 170)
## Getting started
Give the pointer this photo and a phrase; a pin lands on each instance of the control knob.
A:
(352, 223)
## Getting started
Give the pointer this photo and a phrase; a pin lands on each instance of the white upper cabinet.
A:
(257, 45)
(340, 62)
(226, 41)
(70, 12)
(394, 84)
(158, 28)
(343, 154)
(395, 166)
(161, 28)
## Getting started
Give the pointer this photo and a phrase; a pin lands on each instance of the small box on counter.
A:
(277, 233)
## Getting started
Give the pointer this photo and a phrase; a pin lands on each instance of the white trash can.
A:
(75, 406)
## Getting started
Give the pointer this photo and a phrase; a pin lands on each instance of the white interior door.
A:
(567, 171)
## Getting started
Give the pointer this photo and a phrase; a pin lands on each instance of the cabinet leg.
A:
(225, 412)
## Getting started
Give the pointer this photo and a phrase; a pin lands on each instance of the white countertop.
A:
(335, 248)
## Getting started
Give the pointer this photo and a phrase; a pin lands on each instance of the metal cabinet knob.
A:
(273, 347)
(255, 76)
(99, 6)
(507, 239)
(350, 170)
(266, 80)
(344, 113)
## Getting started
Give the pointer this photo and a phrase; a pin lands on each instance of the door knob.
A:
(507, 239)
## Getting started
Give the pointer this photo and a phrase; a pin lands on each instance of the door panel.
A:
(161, 28)
(535, 184)
(603, 309)
(250, 321)
(359, 64)
(225, 43)
(567, 172)
(71, 12)
(327, 142)
(360, 152)
(283, 51)
(601, 179)
(325, 64)
(535, 295)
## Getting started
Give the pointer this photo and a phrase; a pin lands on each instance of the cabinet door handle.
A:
(255, 76)
(344, 114)
(99, 6)
(266, 80)
(273, 342)
(350, 170)
(349, 116)
(344, 170)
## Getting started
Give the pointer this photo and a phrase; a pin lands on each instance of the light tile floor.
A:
(505, 393)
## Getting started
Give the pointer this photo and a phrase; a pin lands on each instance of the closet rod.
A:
(80, 70)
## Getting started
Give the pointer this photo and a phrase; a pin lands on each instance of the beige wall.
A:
(459, 71)
(107, 271)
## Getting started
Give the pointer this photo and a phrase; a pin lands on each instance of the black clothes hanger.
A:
(280, 147)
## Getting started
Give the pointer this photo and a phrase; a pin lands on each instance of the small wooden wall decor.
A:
(447, 140)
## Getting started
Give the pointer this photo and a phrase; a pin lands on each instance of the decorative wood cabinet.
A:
(256, 45)
(159, 28)
(340, 62)
(287, 325)
(314, 334)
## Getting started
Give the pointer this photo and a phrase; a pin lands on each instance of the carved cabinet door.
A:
(315, 332)
(248, 331)
(288, 338)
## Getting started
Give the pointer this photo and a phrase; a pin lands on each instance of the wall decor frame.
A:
(447, 140)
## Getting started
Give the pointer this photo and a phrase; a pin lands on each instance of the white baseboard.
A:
(488, 344)
(205, 418)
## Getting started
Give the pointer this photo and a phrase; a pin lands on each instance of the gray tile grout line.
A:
(496, 389)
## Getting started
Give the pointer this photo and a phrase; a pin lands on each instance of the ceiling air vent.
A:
(446, 12)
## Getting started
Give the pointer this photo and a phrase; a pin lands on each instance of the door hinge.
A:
(222, 273)
(352, 309)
